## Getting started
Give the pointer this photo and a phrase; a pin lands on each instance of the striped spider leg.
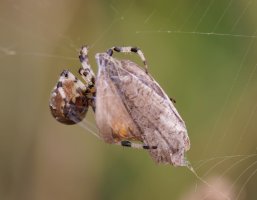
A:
(71, 98)
(130, 50)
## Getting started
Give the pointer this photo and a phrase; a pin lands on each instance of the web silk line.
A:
(222, 16)
(196, 33)
(204, 14)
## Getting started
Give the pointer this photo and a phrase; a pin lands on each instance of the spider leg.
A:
(85, 70)
(88, 75)
(172, 100)
(129, 50)
(126, 143)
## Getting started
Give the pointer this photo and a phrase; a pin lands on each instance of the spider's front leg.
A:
(129, 50)
(88, 75)
(85, 70)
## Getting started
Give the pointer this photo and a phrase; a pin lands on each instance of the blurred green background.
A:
(203, 53)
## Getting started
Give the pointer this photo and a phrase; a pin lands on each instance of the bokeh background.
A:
(203, 53)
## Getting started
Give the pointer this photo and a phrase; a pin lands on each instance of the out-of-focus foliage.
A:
(201, 53)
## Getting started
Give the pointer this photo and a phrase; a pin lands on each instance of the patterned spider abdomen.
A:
(68, 101)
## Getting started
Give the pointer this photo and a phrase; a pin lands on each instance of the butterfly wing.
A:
(150, 109)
